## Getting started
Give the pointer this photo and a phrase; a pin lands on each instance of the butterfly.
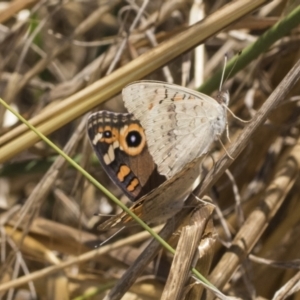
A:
(152, 153)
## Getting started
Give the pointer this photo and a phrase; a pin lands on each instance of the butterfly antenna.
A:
(104, 215)
(235, 62)
(108, 239)
(222, 78)
(223, 72)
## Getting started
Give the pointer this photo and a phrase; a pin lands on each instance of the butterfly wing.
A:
(161, 203)
(180, 124)
(120, 144)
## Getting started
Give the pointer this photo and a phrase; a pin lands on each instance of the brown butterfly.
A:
(180, 125)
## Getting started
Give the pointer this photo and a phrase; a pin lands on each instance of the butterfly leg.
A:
(225, 149)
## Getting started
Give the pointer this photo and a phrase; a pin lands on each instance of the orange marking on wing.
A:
(132, 151)
(114, 134)
(133, 184)
(178, 97)
(150, 106)
(123, 172)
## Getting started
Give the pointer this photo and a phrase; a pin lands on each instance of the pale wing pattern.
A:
(180, 124)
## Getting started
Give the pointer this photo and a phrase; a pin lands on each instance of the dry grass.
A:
(66, 58)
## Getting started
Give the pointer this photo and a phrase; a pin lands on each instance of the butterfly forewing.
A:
(180, 124)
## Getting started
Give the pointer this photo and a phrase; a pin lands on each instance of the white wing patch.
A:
(109, 156)
(97, 138)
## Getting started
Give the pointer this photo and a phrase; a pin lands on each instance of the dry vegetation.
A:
(61, 59)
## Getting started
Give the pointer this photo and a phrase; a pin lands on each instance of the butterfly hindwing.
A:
(120, 144)
(163, 202)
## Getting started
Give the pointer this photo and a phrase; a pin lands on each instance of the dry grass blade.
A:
(43, 188)
(206, 248)
(257, 222)
(294, 264)
(73, 261)
(186, 254)
(15, 7)
(291, 287)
